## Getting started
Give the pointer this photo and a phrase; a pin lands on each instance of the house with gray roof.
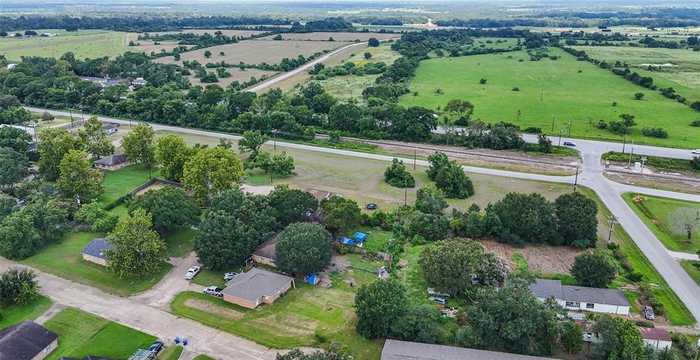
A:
(255, 287)
(608, 301)
(95, 251)
(27, 341)
(111, 162)
(407, 350)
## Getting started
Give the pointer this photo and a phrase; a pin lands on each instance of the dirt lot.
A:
(256, 51)
(543, 258)
(337, 36)
(236, 74)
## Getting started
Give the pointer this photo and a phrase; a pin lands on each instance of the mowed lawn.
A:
(550, 91)
(64, 259)
(17, 313)
(82, 334)
(120, 182)
(660, 216)
(83, 44)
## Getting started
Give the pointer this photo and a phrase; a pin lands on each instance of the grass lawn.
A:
(119, 182)
(659, 213)
(83, 43)
(64, 259)
(550, 92)
(203, 357)
(171, 353)
(209, 277)
(180, 243)
(83, 334)
(17, 313)
(691, 267)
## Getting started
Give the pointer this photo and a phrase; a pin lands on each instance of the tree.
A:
(291, 205)
(460, 109)
(297, 354)
(571, 337)
(7, 205)
(427, 227)
(138, 145)
(18, 287)
(594, 269)
(368, 55)
(577, 219)
(99, 219)
(620, 339)
(526, 218)
(54, 144)
(378, 305)
(420, 324)
(279, 164)
(15, 139)
(207, 54)
(49, 217)
(170, 208)
(171, 152)
(437, 161)
(77, 179)
(430, 200)
(372, 42)
(340, 214)
(46, 116)
(452, 180)
(459, 267)
(137, 250)
(396, 175)
(512, 319)
(638, 96)
(18, 237)
(545, 145)
(684, 220)
(251, 142)
(210, 171)
(303, 248)
(13, 167)
(95, 139)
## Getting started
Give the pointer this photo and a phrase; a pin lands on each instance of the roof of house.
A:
(406, 350)
(111, 160)
(554, 289)
(97, 248)
(655, 334)
(268, 249)
(24, 341)
(256, 283)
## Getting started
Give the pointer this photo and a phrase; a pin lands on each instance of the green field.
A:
(83, 43)
(551, 92)
(691, 267)
(120, 182)
(171, 353)
(676, 68)
(658, 214)
(64, 259)
(81, 334)
(17, 313)
(350, 86)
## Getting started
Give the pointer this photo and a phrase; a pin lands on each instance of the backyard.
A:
(15, 314)
(120, 182)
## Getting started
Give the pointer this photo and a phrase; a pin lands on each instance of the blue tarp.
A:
(347, 241)
(311, 279)
(359, 236)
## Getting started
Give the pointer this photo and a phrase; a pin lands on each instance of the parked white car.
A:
(214, 291)
(229, 276)
(192, 272)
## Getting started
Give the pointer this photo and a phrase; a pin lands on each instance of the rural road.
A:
(591, 176)
(284, 76)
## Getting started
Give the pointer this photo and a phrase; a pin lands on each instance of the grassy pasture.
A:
(550, 93)
(350, 86)
(337, 36)
(83, 43)
(236, 75)
(17, 313)
(82, 334)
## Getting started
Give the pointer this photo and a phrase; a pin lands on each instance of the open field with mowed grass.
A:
(120, 182)
(15, 314)
(561, 91)
(350, 86)
(83, 43)
(658, 215)
(82, 334)
(337, 36)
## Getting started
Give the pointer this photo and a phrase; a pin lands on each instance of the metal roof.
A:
(111, 160)
(554, 289)
(406, 350)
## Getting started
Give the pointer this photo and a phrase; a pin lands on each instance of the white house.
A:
(579, 298)
(658, 339)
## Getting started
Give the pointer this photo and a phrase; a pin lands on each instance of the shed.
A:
(658, 339)
(27, 341)
(255, 287)
(95, 251)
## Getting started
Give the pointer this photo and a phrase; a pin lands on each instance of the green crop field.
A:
(83, 43)
(551, 94)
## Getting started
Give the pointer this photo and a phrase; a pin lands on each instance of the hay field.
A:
(236, 75)
(83, 43)
(337, 36)
(238, 33)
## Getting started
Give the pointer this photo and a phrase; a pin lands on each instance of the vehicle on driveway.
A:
(569, 143)
(156, 347)
(214, 291)
(372, 206)
(649, 313)
(229, 276)
(192, 272)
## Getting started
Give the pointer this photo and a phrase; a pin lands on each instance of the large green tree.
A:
(527, 218)
(137, 250)
(13, 167)
(452, 180)
(211, 171)
(54, 144)
(172, 153)
(304, 248)
(170, 207)
(620, 339)
(96, 142)
(18, 287)
(77, 179)
(18, 237)
(251, 142)
(291, 205)
(340, 214)
(420, 324)
(430, 227)
(459, 267)
(594, 269)
(430, 200)
(396, 175)
(138, 145)
(15, 139)
(437, 162)
(378, 305)
(577, 220)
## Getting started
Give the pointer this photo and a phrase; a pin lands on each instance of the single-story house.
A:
(255, 287)
(608, 301)
(657, 338)
(111, 162)
(407, 350)
(27, 341)
(266, 253)
(95, 251)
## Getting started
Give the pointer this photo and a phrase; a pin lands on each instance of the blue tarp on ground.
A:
(360, 236)
(312, 279)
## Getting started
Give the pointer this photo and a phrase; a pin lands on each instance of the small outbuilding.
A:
(255, 287)
(27, 341)
(266, 253)
(111, 162)
(658, 339)
(95, 251)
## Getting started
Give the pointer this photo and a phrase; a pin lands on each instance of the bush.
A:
(396, 175)
(655, 132)
(96, 217)
(18, 287)
(695, 123)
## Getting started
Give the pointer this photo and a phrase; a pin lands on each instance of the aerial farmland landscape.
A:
(350, 180)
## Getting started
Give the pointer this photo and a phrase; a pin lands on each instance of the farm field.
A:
(15, 314)
(255, 52)
(236, 75)
(337, 36)
(550, 91)
(350, 86)
(227, 32)
(83, 43)
(676, 68)
(82, 334)
(659, 214)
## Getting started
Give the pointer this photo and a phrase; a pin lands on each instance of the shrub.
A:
(655, 132)
(396, 175)
(695, 123)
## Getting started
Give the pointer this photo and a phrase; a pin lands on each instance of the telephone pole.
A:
(612, 220)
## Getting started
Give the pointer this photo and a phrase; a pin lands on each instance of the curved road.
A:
(591, 176)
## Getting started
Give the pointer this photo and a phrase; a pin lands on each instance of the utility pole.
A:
(415, 154)
(576, 179)
(611, 221)
(629, 162)
(624, 142)
(552, 124)
(644, 158)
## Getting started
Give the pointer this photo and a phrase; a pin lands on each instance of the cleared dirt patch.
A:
(542, 258)
(214, 309)
(337, 36)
